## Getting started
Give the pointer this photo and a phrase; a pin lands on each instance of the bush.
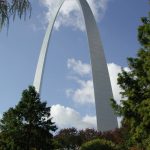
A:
(98, 144)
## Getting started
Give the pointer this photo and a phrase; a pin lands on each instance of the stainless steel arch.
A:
(106, 120)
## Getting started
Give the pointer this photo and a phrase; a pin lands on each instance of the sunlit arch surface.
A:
(106, 120)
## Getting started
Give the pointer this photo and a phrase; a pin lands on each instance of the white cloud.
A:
(84, 94)
(90, 120)
(119, 119)
(78, 67)
(70, 14)
(66, 117)
(113, 70)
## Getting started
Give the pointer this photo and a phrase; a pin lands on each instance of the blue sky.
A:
(67, 84)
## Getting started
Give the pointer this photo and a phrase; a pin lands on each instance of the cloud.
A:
(78, 67)
(84, 94)
(70, 14)
(66, 117)
(114, 70)
(119, 119)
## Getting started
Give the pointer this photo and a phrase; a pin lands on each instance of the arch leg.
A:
(43, 52)
(106, 120)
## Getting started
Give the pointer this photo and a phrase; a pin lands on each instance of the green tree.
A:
(89, 134)
(28, 125)
(115, 136)
(98, 144)
(135, 107)
(68, 139)
(144, 32)
(72, 138)
(12, 8)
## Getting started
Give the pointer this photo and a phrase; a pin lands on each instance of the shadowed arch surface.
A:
(106, 120)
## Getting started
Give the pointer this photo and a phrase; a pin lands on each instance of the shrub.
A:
(98, 144)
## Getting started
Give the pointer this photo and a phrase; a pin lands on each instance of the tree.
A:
(115, 136)
(28, 125)
(144, 32)
(89, 134)
(98, 144)
(68, 139)
(72, 138)
(136, 89)
(10, 8)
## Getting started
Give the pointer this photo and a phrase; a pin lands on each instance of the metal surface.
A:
(106, 120)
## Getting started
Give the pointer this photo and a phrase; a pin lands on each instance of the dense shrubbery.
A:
(98, 144)
(73, 138)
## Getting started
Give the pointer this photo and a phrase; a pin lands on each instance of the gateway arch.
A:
(106, 120)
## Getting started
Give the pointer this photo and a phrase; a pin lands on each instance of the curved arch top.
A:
(106, 120)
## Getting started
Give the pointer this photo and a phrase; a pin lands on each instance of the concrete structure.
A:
(106, 120)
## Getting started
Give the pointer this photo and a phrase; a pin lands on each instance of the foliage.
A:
(72, 138)
(68, 139)
(136, 89)
(89, 134)
(10, 8)
(144, 32)
(28, 125)
(116, 136)
(98, 144)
